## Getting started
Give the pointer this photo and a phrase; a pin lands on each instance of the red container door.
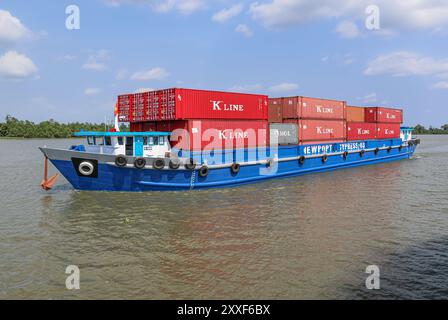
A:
(141, 106)
(275, 113)
(388, 130)
(320, 130)
(371, 114)
(313, 108)
(291, 108)
(125, 107)
(361, 131)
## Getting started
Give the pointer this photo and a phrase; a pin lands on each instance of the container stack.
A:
(199, 119)
(202, 120)
(317, 120)
(366, 123)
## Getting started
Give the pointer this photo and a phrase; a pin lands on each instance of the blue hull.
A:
(113, 178)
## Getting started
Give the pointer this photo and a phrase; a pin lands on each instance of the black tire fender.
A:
(121, 161)
(158, 164)
(235, 168)
(190, 164)
(140, 163)
(204, 171)
(174, 164)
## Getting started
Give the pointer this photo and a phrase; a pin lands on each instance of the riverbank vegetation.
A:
(14, 128)
(419, 129)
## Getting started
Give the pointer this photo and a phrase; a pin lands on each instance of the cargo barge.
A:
(183, 139)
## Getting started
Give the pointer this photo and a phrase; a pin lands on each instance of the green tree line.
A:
(15, 128)
(419, 129)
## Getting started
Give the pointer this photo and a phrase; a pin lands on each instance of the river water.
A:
(310, 237)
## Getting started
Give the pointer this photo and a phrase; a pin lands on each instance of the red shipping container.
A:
(143, 126)
(320, 130)
(355, 114)
(126, 107)
(196, 135)
(136, 127)
(388, 130)
(180, 104)
(276, 101)
(291, 108)
(312, 108)
(275, 113)
(361, 131)
(383, 115)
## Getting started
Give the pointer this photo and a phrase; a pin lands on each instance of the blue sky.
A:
(318, 48)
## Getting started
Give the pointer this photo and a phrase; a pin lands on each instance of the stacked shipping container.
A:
(373, 123)
(318, 120)
(202, 119)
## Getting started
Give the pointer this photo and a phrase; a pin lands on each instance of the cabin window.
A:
(145, 141)
(100, 141)
(120, 141)
(161, 141)
(107, 141)
(90, 141)
(153, 141)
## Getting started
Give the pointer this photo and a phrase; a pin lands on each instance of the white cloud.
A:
(189, 6)
(153, 74)
(122, 74)
(68, 57)
(163, 6)
(245, 30)
(247, 88)
(394, 14)
(97, 61)
(16, 66)
(11, 28)
(440, 85)
(227, 14)
(403, 63)
(348, 30)
(284, 87)
(141, 90)
(91, 91)
(369, 98)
